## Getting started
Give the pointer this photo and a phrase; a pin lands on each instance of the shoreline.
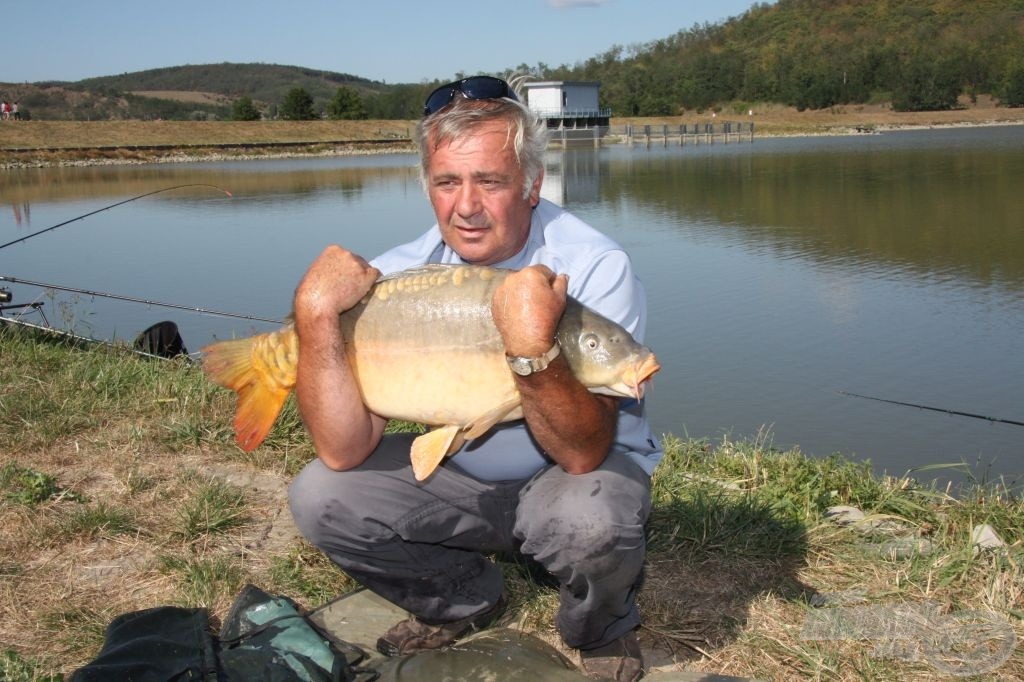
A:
(138, 154)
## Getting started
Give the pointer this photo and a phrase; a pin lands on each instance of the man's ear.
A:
(535, 189)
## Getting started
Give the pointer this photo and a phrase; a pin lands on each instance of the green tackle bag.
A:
(265, 637)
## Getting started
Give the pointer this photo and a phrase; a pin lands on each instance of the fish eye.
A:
(591, 342)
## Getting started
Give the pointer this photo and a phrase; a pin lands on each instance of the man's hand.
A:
(335, 282)
(527, 307)
(573, 426)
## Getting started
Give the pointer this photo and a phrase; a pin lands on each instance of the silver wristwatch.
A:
(524, 367)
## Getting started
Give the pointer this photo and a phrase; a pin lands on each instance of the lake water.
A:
(779, 273)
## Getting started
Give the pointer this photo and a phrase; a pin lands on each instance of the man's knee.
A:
(320, 500)
(335, 508)
(584, 518)
(305, 499)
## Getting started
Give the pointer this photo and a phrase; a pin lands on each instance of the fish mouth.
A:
(633, 381)
(637, 375)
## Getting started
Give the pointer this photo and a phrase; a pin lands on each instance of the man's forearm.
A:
(573, 426)
(343, 431)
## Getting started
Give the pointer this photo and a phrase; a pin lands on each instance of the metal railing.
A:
(558, 112)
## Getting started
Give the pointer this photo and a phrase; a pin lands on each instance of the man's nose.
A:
(468, 202)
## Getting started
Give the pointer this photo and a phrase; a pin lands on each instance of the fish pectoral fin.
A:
(429, 449)
(482, 424)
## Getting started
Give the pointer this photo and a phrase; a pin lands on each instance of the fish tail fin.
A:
(261, 370)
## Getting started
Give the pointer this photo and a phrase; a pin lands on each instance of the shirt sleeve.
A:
(607, 285)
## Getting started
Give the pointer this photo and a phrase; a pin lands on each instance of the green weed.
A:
(81, 629)
(15, 668)
(205, 582)
(100, 519)
(214, 507)
(307, 572)
(22, 485)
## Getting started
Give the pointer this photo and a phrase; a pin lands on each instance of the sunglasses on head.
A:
(475, 87)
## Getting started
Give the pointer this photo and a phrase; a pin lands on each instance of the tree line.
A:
(918, 55)
(811, 54)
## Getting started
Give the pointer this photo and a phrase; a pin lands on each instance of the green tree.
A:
(1011, 90)
(926, 83)
(244, 110)
(298, 106)
(346, 105)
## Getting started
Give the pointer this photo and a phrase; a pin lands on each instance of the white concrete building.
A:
(567, 104)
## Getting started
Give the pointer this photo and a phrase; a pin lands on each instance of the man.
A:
(568, 486)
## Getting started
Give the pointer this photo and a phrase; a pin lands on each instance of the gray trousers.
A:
(420, 544)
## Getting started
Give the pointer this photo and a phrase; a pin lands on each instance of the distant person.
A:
(14, 111)
(5, 110)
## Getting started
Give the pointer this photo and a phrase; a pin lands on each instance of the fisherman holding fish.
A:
(567, 485)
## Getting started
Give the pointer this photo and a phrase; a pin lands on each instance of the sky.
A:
(382, 40)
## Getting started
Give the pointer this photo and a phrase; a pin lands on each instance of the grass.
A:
(214, 507)
(121, 490)
(15, 668)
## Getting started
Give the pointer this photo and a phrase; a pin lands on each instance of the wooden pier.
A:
(722, 132)
(583, 135)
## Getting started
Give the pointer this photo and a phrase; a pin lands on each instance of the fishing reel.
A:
(6, 296)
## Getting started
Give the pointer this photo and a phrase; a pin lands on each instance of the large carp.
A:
(424, 348)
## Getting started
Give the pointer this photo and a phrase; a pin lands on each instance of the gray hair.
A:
(527, 132)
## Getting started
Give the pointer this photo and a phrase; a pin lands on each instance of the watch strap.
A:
(524, 366)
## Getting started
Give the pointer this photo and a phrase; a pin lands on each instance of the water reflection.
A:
(946, 213)
(22, 213)
(778, 272)
(285, 179)
(572, 178)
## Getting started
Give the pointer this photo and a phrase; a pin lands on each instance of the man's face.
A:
(476, 188)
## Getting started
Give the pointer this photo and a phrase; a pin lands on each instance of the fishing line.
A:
(99, 210)
(935, 409)
(132, 299)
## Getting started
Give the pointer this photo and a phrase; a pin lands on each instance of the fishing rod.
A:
(77, 338)
(935, 409)
(132, 299)
(105, 208)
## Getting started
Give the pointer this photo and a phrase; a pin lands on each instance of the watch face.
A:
(521, 366)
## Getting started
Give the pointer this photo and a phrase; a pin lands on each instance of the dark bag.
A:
(264, 637)
(162, 339)
(166, 643)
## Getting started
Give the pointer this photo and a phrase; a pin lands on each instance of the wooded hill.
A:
(916, 54)
(204, 91)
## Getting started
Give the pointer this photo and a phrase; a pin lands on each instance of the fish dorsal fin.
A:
(429, 449)
(482, 424)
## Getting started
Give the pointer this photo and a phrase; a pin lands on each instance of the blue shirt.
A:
(601, 278)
